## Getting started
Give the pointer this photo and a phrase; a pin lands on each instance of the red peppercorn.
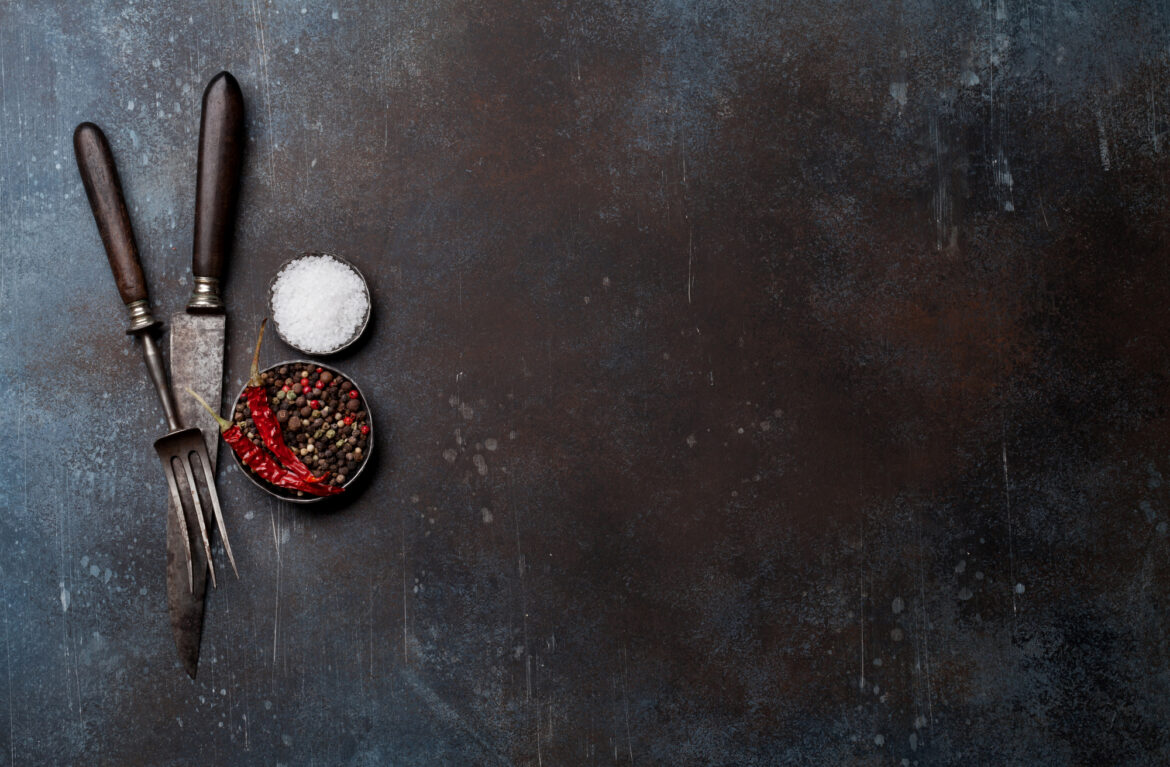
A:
(319, 385)
(318, 370)
(365, 429)
(353, 394)
(315, 404)
(347, 420)
(286, 387)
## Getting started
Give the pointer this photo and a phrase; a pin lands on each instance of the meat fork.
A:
(179, 445)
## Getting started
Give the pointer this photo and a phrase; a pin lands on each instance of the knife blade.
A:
(198, 336)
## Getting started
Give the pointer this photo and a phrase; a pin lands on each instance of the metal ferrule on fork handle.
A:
(140, 317)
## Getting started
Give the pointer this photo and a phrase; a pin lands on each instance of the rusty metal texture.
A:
(758, 383)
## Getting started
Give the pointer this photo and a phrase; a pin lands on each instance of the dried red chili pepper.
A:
(256, 393)
(256, 459)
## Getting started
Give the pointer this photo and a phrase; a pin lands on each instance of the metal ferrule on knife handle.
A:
(205, 297)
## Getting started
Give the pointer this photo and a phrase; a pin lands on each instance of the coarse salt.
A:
(319, 303)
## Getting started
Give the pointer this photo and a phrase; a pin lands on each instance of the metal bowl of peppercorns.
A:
(324, 419)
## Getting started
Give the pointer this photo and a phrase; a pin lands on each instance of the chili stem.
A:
(224, 424)
(255, 379)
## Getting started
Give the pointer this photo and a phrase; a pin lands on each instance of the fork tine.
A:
(170, 472)
(199, 515)
(214, 497)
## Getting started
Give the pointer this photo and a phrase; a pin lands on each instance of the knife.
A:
(198, 335)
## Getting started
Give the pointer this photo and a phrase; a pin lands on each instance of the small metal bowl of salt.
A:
(319, 303)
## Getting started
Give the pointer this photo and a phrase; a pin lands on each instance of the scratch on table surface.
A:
(626, 700)
(4, 142)
(922, 659)
(520, 567)
(861, 611)
(690, 262)
(942, 195)
(8, 697)
(69, 645)
(371, 636)
(405, 596)
(539, 752)
(1103, 140)
(1152, 120)
(1007, 500)
(262, 46)
(279, 566)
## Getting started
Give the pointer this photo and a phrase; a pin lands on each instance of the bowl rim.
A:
(365, 288)
(279, 492)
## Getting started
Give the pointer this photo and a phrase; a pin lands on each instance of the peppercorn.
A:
(365, 429)
(326, 376)
(352, 405)
(282, 416)
(294, 423)
(346, 386)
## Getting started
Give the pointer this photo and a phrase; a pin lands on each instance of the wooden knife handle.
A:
(100, 177)
(221, 152)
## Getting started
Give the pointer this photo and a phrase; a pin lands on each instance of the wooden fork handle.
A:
(99, 174)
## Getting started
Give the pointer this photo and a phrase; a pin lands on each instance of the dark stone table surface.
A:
(758, 384)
